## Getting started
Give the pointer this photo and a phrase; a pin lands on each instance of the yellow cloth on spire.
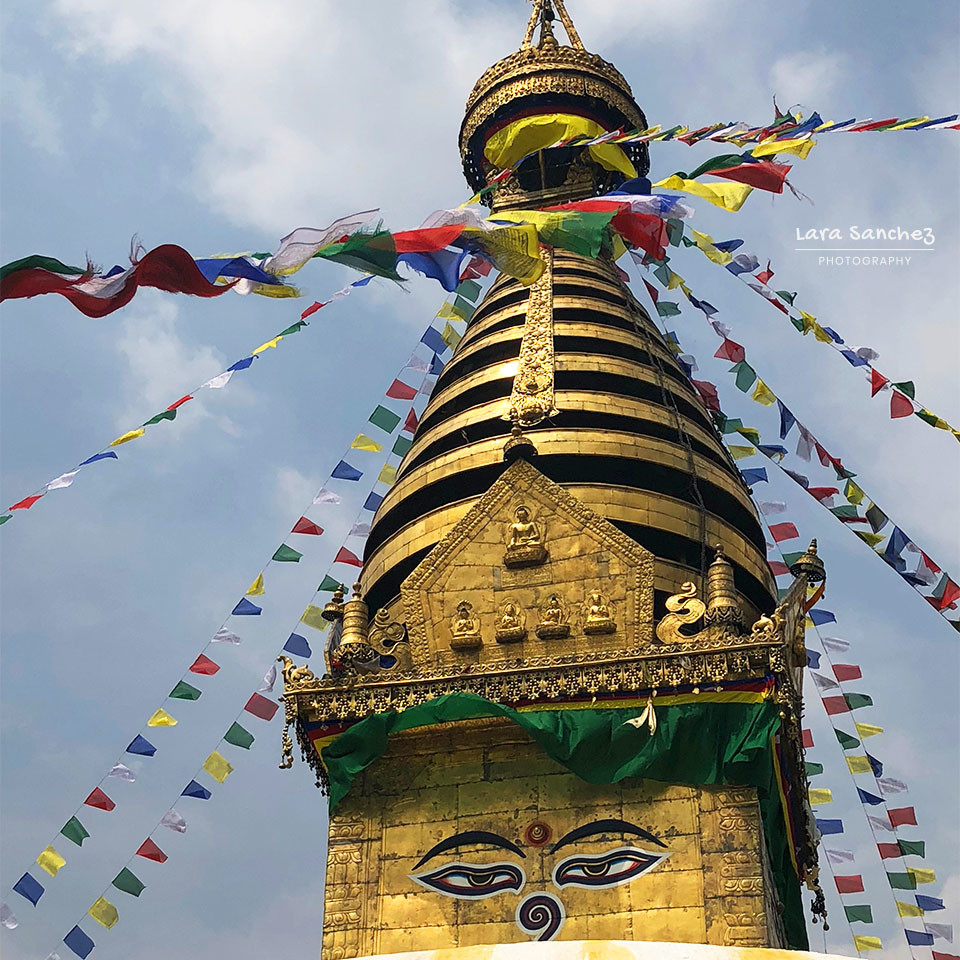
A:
(266, 346)
(763, 394)
(51, 861)
(705, 243)
(256, 588)
(217, 766)
(363, 442)
(161, 719)
(727, 196)
(104, 912)
(819, 796)
(867, 729)
(799, 148)
(313, 617)
(128, 436)
(868, 943)
(908, 909)
(859, 765)
(388, 474)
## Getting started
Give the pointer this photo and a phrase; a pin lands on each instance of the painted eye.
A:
(471, 881)
(605, 869)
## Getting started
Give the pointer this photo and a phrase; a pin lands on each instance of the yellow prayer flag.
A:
(922, 876)
(161, 719)
(256, 588)
(727, 196)
(867, 729)
(908, 909)
(859, 765)
(809, 321)
(907, 124)
(871, 539)
(104, 912)
(128, 436)
(853, 493)
(867, 943)
(513, 250)
(705, 243)
(739, 452)
(313, 617)
(51, 861)
(619, 247)
(363, 442)
(388, 474)
(276, 290)
(763, 394)
(799, 148)
(821, 334)
(217, 766)
(449, 312)
(819, 796)
(266, 346)
(612, 157)
(675, 280)
(450, 336)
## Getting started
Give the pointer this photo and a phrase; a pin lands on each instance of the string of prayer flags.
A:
(150, 851)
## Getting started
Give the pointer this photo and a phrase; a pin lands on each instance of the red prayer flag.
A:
(783, 531)
(807, 739)
(835, 705)
(903, 817)
(642, 230)
(821, 493)
(889, 851)
(180, 402)
(411, 423)
(652, 290)
(766, 275)
(846, 671)
(900, 405)
(852, 884)
(778, 568)
(950, 594)
(731, 350)
(150, 851)
(400, 391)
(204, 666)
(26, 503)
(877, 382)
(345, 556)
(944, 956)
(99, 800)
(261, 707)
(428, 240)
(303, 525)
(872, 126)
(708, 393)
(312, 309)
(764, 175)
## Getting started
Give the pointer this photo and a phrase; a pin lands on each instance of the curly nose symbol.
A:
(540, 915)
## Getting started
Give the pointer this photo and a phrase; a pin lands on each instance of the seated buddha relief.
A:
(465, 628)
(511, 623)
(525, 545)
(598, 614)
(554, 623)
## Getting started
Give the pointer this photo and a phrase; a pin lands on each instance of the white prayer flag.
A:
(836, 645)
(942, 931)
(889, 785)
(223, 635)
(269, 679)
(173, 821)
(326, 496)
(122, 772)
(881, 823)
(772, 506)
(7, 917)
(64, 480)
(360, 530)
(824, 683)
(840, 856)
(417, 363)
(221, 380)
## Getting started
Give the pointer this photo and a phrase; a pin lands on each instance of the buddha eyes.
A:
(471, 881)
(605, 869)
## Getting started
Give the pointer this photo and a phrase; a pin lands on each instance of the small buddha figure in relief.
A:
(465, 628)
(553, 620)
(524, 542)
(599, 618)
(510, 625)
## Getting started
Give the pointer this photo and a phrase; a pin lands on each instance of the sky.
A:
(221, 127)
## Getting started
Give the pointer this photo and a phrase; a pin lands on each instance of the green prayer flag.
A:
(329, 584)
(846, 741)
(751, 433)
(746, 375)
(844, 510)
(374, 253)
(385, 419)
(286, 554)
(667, 308)
(164, 415)
(907, 388)
(239, 737)
(295, 328)
(38, 261)
(857, 700)
(861, 912)
(731, 425)
(791, 558)
(675, 234)
(402, 445)
(469, 290)
(797, 322)
(662, 273)
(722, 161)
(914, 848)
(876, 517)
(813, 769)
(786, 295)
(902, 881)
(580, 232)
(129, 882)
(74, 830)
(5, 518)
(184, 691)
(464, 307)
(929, 417)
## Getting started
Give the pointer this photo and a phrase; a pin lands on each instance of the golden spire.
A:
(543, 13)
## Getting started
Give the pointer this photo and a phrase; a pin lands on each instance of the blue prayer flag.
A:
(242, 364)
(743, 263)
(247, 609)
(728, 246)
(373, 501)
(787, 420)
(343, 471)
(870, 799)
(755, 475)
(854, 359)
(29, 888)
(436, 366)
(363, 281)
(820, 617)
(834, 335)
(916, 938)
(813, 660)
(211, 268)
(638, 185)
(141, 746)
(895, 546)
(109, 455)
(79, 942)
(929, 903)
(297, 645)
(876, 766)
(829, 827)
(441, 265)
(194, 789)
(433, 340)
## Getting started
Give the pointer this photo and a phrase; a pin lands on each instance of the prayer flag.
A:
(150, 851)
(807, 737)
(327, 496)
(857, 700)
(246, 609)
(109, 455)
(944, 956)
(297, 646)
(343, 471)
(708, 394)
(173, 821)
(876, 766)
(848, 671)
(223, 635)
(29, 888)
(239, 737)
(362, 442)
(63, 481)
(813, 659)
(820, 617)
(256, 589)
(401, 446)
(196, 790)
(127, 881)
(433, 340)
(929, 903)
(411, 423)
(851, 884)
(51, 861)
(858, 765)
(836, 644)
(26, 503)
(754, 475)
(204, 666)
(763, 394)
(889, 785)
(346, 556)
(813, 769)
(285, 554)
(835, 705)
(727, 196)
(867, 943)
(360, 530)
(746, 376)
(388, 474)
(79, 943)
(861, 912)
(917, 938)
(901, 881)
(313, 616)
(121, 771)
(329, 583)
(99, 800)
(889, 851)
(75, 831)
(829, 827)
(870, 799)
(261, 707)
(900, 406)
(184, 691)
(269, 679)
(8, 918)
(398, 390)
(880, 823)
(783, 531)
(217, 766)
(840, 856)
(384, 418)
(819, 796)
(912, 848)
(303, 525)
(942, 931)
(908, 909)
(140, 431)
(922, 876)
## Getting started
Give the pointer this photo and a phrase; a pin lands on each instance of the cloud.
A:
(27, 103)
(807, 76)
(293, 489)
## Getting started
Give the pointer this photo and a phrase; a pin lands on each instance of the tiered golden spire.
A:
(543, 13)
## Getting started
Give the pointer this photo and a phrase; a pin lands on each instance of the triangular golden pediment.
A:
(530, 572)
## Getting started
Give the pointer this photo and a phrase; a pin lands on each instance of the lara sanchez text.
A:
(924, 234)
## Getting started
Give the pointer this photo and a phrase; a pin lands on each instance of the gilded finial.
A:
(333, 609)
(723, 604)
(810, 565)
(518, 446)
(543, 14)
